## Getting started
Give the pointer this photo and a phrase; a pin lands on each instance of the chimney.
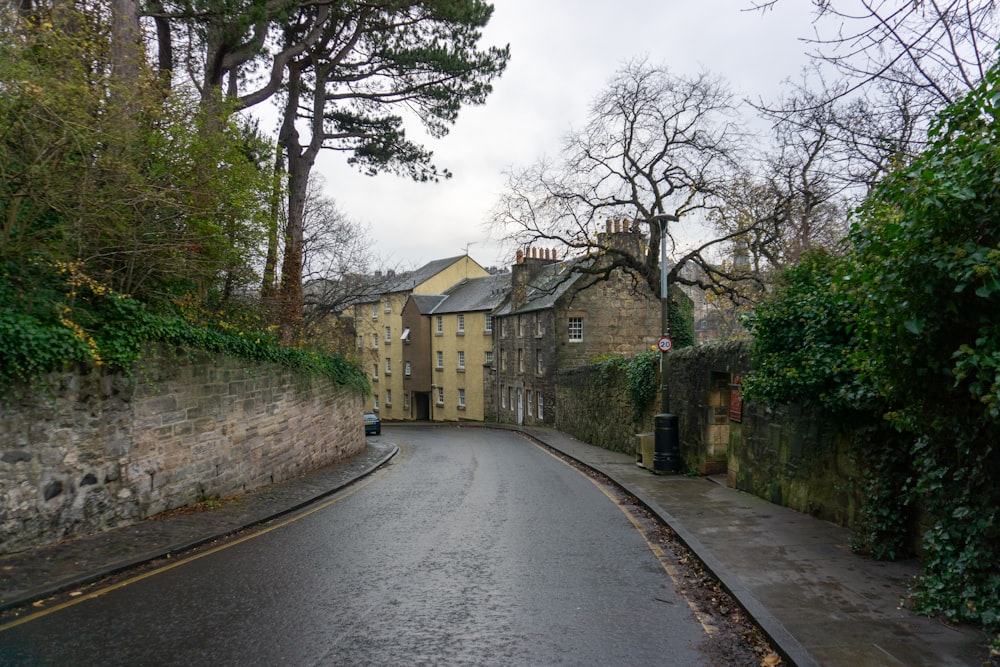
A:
(530, 261)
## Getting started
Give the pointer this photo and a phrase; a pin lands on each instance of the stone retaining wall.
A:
(788, 455)
(97, 450)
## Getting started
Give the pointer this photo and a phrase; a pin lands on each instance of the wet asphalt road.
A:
(473, 547)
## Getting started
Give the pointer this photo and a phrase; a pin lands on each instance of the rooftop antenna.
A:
(470, 243)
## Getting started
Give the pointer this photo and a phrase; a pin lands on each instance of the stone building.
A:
(557, 317)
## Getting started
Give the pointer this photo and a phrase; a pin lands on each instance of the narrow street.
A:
(472, 547)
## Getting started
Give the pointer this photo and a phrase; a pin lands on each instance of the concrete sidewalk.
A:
(817, 602)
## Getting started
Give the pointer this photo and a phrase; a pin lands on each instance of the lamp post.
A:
(661, 220)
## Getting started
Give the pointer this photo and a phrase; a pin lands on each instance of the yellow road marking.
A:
(184, 561)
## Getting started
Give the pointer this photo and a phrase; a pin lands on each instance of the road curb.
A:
(790, 649)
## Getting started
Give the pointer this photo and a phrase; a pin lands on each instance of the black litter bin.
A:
(666, 445)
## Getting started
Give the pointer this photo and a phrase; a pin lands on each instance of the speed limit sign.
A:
(664, 344)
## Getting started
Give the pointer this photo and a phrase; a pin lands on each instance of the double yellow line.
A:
(189, 559)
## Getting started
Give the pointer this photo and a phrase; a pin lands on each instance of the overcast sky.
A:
(563, 52)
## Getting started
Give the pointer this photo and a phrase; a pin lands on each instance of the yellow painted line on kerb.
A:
(201, 554)
(668, 566)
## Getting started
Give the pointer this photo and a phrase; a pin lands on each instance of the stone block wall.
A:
(594, 407)
(788, 455)
(698, 384)
(96, 450)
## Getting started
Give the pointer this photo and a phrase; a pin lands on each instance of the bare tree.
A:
(338, 258)
(656, 144)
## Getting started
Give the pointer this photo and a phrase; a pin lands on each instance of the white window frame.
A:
(461, 399)
(540, 403)
(520, 360)
(438, 325)
(575, 329)
(388, 366)
(406, 368)
(374, 341)
(461, 324)
(388, 398)
(375, 311)
(520, 326)
(538, 326)
(440, 395)
(375, 372)
(375, 403)
(489, 357)
(406, 401)
(489, 324)
(439, 356)
(503, 396)
(528, 402)
(388, 304)
(388, 334)
(461, 360)
(538, 361)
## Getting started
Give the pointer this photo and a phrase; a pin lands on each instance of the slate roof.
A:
(407, 281)
(547, 286)
(475, 294)
(426, 303)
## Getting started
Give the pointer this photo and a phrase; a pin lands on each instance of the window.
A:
(375, 372)
(510, 397)
(528, 402)
(440, 392)
(538, 360)
(374, 311)
(489, 357)
(489, 324)
(439, 325)
(520, 360)
(388, 305)
(520, 327)
(461, 360)
(503, 360)
(388, 397)
(503, 327)
(406, 368)
(388, 366)
(375, 341)
(461, 399)
(375, 403)
(406, 335)
(440, 359)
(503, 397)
(539, 406)
(538, 326)
(461, 324)
(388, 334)
(406, 401)
(361, 342)
(576, 328)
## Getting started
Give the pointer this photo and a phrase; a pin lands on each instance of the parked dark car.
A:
(372, 423)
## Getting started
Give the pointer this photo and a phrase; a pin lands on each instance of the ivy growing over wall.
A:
(901, 335)
(56, 316)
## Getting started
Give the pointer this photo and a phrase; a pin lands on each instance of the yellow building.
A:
(379, 328)
(460, 348)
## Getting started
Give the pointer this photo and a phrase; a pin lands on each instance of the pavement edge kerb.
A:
(172, 550)
(786, 645)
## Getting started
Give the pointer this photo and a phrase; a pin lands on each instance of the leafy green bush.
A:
(55, 317)
(904, 330)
